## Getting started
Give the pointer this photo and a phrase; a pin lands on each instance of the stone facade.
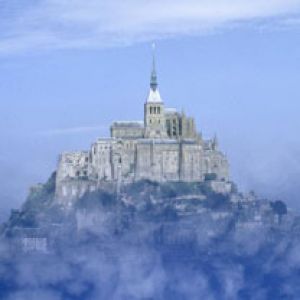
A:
(166, 146)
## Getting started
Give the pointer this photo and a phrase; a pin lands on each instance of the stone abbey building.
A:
(165, 146)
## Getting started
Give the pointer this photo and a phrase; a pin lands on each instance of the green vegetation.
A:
(97, 199)
(41, 196)
(145, 188)
(210, 176)
(216, 201)
(38, 205)
(279, 207)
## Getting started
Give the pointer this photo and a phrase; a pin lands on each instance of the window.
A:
(168, 123)
(154, 109)
(151, 110)
(158, 110)
(180, 127)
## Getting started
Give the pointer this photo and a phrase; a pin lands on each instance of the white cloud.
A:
(293, 21)
(72, 130)
(48, 24)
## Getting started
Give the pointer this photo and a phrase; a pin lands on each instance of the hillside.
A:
(152, 241)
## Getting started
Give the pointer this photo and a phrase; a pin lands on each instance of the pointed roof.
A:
(153, 80)
(154, 95)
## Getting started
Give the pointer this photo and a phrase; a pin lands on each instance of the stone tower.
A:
(154, 115)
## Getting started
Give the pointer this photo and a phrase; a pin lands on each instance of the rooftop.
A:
(154, 96)
(139, 124)
(170, 110)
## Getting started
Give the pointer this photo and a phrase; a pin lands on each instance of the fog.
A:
(105, 250)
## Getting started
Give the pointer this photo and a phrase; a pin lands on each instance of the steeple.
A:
(153, 81)
(154, 115)
(215, 143)
(154, 95)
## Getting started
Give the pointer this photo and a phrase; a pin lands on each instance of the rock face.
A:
(42, 221)
(165, 147)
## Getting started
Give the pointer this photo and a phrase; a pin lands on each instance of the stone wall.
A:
(157, 160)
(178, 125)
(127, 130)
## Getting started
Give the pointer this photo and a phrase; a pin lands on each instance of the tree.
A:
(279, 207)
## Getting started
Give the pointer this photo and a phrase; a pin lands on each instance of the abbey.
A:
(165, 146)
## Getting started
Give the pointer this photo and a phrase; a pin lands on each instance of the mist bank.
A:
(153, 241)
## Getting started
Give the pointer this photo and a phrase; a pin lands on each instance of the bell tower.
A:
(154, 116)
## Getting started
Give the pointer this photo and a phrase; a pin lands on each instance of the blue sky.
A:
(68, 70)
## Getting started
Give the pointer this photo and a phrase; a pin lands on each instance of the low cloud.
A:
(105, 249)
(53, 24)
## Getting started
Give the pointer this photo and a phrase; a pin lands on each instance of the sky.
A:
(69, 68)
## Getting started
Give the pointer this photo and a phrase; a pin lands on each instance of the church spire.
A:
(154, 95)
(153, 81)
